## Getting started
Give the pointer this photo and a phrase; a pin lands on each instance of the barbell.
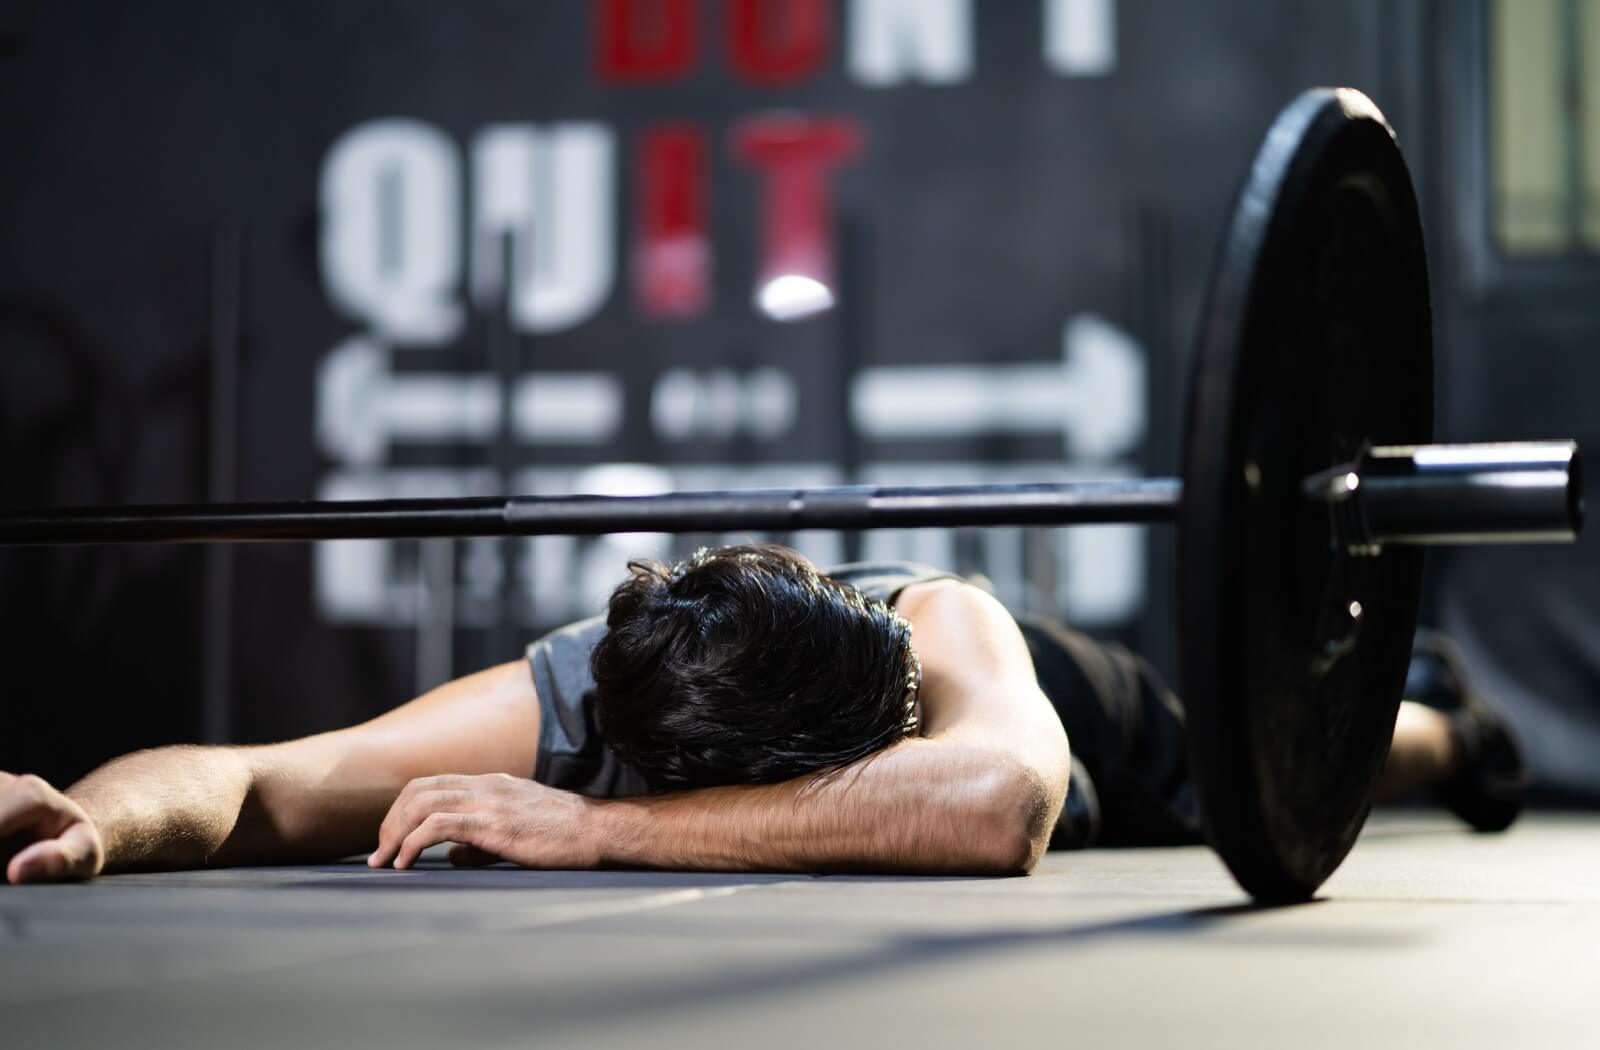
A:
(1309, 490)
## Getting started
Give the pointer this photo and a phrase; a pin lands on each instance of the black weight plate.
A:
(1315, 339)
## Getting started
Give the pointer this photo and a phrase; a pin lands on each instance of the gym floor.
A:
(1428, 935)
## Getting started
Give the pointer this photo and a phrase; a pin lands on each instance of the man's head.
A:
(746, 665)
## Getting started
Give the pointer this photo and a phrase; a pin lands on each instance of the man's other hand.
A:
(491, 817)
(44, 835)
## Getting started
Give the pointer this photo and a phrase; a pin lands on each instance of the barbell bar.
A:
(1505, 492)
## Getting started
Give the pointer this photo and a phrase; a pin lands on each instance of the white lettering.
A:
(893, 41)
(363, 407)
(1104, 580)
(1080, 37)
(1104, 395)
(549, 193)
(391, 240)
(1095, 396)
(718, 404)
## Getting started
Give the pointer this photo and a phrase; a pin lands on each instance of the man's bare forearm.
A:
(920, 807)
(173, 807)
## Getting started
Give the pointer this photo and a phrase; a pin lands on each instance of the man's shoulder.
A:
(560, 660)
(577, 634)
(887, 580)
(948, 597)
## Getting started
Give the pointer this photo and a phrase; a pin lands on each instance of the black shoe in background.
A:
(1490, 784)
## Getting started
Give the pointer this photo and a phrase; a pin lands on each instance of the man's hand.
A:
(44, 835)
(491, 817)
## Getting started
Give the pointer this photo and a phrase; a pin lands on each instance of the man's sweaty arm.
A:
(978, 794)
(317, 798)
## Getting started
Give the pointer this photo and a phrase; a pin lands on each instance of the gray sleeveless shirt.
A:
(572, 755)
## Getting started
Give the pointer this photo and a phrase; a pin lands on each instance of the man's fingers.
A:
(85, 853)
(41, 862)
(390, 830)
(434, 829)
(416, 802)
(76, 854)
(405, 819)
(47, 861)
(391, 818)
(465, 856)
(437, 828)
(25, 804)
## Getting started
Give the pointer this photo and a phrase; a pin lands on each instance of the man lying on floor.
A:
(740, 711)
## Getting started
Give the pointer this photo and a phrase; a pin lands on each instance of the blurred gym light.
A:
(794, 297)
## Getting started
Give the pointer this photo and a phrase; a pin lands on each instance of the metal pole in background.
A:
(851, 312)
(222, 470)
(505, 361)
(436, 613)
(1150, 281)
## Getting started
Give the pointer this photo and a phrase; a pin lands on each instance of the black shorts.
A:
(1126, 731)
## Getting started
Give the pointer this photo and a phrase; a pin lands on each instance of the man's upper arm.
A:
(979, 683)
(327, 794)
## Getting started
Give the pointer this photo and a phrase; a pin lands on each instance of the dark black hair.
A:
(747, 665)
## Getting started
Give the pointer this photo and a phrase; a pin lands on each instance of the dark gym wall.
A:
(220, 223)
(1517, 333)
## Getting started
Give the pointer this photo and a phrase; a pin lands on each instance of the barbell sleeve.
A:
(1505, 492)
